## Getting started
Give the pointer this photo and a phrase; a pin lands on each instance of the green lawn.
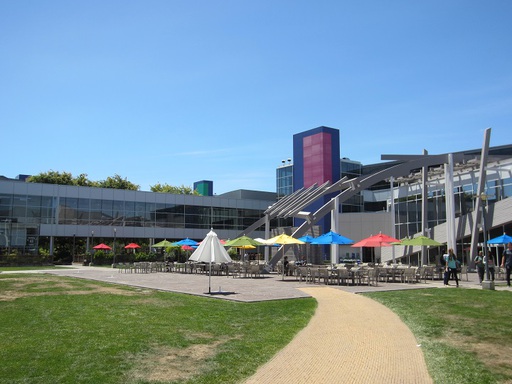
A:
(466, 334)
(64, 330)
(14, 269)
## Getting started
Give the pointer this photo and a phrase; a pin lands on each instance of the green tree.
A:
(83, 181)
(166, 188)
(117, 182)
(52, 177)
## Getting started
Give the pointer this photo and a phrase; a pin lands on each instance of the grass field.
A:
(64, 330)
(466, 334)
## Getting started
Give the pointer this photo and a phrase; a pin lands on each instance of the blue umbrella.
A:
(331, 238)
(306, 239)
(187, 241)
(503, 239)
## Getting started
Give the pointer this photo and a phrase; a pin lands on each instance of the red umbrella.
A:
(187, 248)
(102, 246)
(132, 246)
(379, 240)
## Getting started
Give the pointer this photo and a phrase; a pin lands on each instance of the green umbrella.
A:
(162, 244)
(420, 240)
(242, 241)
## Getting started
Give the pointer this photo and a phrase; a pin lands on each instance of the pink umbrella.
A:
(187, 248)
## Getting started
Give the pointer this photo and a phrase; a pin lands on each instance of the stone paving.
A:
(350, 339)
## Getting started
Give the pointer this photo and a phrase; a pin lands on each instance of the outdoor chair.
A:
(464, 271)
(216, 269)
(302, 273)
(409, 275)
(372, 276)
(233, 270)
(312, 275)
(343, 275)
(325, 274)
(255, 270)
(428, 272)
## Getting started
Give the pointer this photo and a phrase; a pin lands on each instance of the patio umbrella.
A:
(334, 239)
(503, 239)
(283, 239)
(163, 244)
(241, 241)
(380, 240)
(132, 246)
(102, 246)
(306, 238)
(187, 248)
(186, 241)
(420, 240)
(331, 238)
(210, 251)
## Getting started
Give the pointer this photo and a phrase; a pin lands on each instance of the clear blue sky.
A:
(179, 91)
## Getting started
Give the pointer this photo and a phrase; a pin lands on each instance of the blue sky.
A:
(163, 91)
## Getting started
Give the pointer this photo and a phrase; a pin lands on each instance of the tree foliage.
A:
(66, 178)
(117, 182)
(52, 177)
(113, 182)
(166, 188)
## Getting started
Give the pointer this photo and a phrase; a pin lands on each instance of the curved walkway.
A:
(350, 339)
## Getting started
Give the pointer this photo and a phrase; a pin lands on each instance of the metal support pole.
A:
(487, 283)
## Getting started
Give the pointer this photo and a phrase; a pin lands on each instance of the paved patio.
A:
(245, 289)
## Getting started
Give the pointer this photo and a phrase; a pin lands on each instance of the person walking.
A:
(480, 267)
(506, 261)
(451, 267)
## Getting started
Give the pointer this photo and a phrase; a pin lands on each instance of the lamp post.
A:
(92, 247)
(486, 283)
(114, 249)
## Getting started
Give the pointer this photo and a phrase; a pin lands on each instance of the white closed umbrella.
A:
(210, 251)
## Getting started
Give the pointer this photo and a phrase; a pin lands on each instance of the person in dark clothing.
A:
(480, 267)
(286, 265)
(506, 261)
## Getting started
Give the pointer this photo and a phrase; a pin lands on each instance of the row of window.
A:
(77, 211)
(408, 209)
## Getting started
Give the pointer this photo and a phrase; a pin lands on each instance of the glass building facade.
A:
(409, 200)
(29, 210)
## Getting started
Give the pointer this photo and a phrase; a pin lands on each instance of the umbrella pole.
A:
(210, 279)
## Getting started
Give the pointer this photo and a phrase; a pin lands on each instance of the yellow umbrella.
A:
(284, 239)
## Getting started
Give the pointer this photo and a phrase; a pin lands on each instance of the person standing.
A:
(286, 266)
(444, 261)
(489, 262)
(451, 267)
(506, 261)
(480, 267)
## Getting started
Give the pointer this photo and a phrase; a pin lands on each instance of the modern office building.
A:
(400, 202)
(30, 212)
(435, 195)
